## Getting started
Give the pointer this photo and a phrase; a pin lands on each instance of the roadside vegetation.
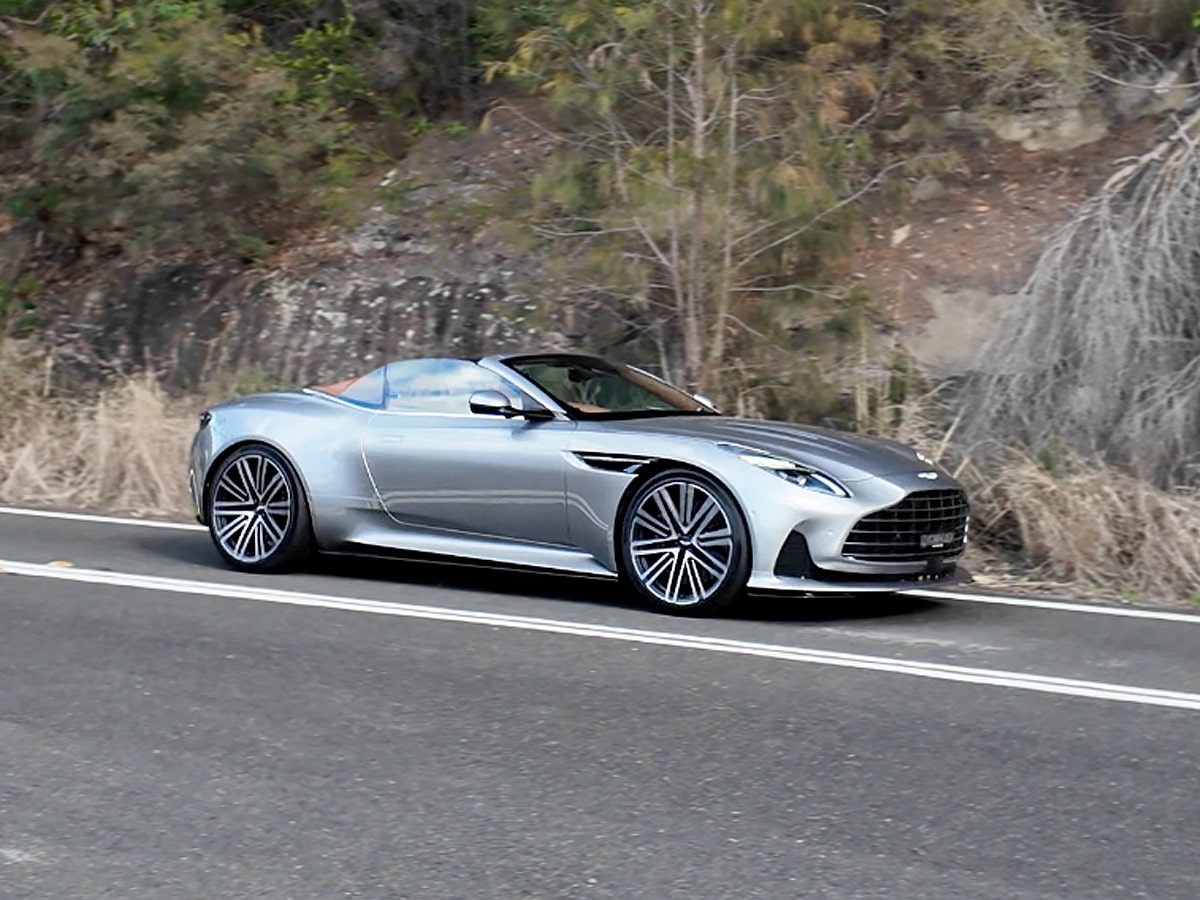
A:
(1101, 356)
(715, 161)
(120, 447)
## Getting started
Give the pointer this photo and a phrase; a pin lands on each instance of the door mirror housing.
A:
(494, 403)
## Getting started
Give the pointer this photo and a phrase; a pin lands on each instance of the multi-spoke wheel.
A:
(684, 544)
(257, 513)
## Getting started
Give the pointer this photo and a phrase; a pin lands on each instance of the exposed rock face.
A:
(947, 266)
(336, 321)
(424, 274)
(13, 250)
(323, 321)
(1060, 129)
(1092, 119)
(949, 341)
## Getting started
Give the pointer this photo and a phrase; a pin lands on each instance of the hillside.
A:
(818, 210)
(434, 265)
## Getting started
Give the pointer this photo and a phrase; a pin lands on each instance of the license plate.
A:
(937, 540)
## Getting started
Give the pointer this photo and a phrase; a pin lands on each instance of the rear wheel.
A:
(684, 544)
(257, 514)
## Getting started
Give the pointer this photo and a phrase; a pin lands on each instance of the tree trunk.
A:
(696, 289)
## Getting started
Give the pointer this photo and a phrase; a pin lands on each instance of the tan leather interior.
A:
(337, 388)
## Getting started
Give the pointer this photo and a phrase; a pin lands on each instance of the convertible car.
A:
(570, 463)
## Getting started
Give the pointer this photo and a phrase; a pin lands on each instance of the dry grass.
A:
(1078, 521)
(1092, 523)
(124, 448)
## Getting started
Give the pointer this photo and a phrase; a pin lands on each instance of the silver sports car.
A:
(568, 462)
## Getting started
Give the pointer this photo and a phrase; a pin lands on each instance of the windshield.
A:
(594, 389)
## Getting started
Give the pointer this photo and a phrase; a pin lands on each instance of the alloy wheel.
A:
(681, 543)
(252, 508)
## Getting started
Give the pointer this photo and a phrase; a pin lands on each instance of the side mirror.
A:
(494, 403)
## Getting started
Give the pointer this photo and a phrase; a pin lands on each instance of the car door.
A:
(436, 465)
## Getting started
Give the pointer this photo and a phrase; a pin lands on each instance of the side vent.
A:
(612, 462)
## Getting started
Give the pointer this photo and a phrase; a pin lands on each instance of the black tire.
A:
(249, 495)
(676, 552)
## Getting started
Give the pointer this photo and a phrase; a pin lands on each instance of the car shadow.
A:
(456, 575)
(192, 549)
(824, 608)
(479, 577)
(196, 550)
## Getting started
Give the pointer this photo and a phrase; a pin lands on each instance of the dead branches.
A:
(1101, 354)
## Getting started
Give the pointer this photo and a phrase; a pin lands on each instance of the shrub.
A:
(1003, 52)
(152, 122)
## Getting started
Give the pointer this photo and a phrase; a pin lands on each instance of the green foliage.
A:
(280, 20)
(152, 122)
(1006, 52)
(497, 25)
(108, 27)
(707, 150)
(22, 9)
(324, 60)
(139, 123)
(17, 317)
(420, 125)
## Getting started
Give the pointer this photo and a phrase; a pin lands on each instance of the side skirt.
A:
(446, 546)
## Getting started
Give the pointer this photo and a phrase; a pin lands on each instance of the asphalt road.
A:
(172, 729)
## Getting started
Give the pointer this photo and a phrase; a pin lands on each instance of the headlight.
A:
(797, 474)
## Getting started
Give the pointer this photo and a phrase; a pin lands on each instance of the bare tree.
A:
(1101, 353)
(699, 170)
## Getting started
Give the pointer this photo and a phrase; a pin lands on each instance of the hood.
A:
(847, 457)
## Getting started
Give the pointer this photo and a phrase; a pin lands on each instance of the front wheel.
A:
(684, 544)
(257, 513)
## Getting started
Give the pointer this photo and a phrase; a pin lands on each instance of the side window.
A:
(439, 385)
(366, 391)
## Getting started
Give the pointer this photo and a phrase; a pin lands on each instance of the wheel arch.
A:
(220, 458)
(656, 467)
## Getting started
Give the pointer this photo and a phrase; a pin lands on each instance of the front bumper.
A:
(796, 571)
(799, 540)
(199, 460)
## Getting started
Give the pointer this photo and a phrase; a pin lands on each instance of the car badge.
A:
(928, 476)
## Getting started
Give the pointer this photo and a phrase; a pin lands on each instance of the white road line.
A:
(100, 520)
(995, 678)
(1160, 615)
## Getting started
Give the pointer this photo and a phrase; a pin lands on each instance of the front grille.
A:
(795, 561)
(924, 525)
